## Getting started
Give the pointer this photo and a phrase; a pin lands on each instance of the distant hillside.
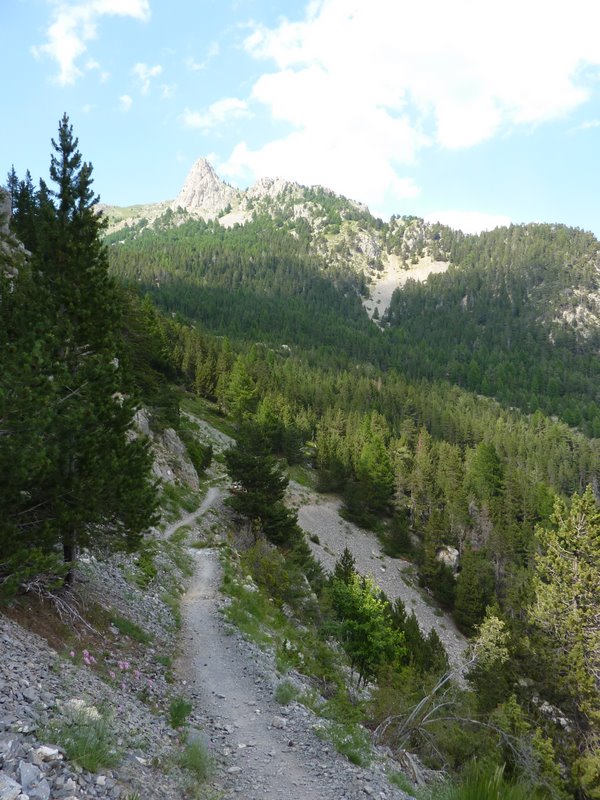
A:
(516, 317)
(340, 232)
(513, 314)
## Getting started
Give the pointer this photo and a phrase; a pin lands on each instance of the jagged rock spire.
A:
(204, 192)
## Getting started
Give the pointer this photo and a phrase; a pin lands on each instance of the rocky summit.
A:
(203, 192)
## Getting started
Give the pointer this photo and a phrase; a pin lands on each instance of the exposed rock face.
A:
(368, 245)
(171, 461)
(5, 210)
(203, 192)
(449, 556)
(271, 187)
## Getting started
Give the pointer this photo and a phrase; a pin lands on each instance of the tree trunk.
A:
(69, 556)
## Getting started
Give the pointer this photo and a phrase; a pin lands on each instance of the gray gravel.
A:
(319, 515)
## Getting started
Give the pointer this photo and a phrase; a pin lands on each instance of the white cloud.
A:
(586, 126)
(469, 221)
(216, 114)
(74, 24)
(125, 102)
(144, 73)
(366, 87)
(167, 90)
(196, 66)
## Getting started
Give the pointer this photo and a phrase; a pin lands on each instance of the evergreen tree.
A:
(474, 590)
(93, 483)
(566, 619)
(345, 567)
(262, 487)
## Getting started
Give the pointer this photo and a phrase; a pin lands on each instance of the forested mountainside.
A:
(494, 501)
(515, 316)
(253, 282)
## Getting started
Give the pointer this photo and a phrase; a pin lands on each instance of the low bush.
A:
(179, 711)
(286, 692)
(87, 737)
(196, 759)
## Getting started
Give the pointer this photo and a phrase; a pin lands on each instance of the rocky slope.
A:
(117, 680)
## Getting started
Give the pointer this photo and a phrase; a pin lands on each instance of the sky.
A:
(473, 112)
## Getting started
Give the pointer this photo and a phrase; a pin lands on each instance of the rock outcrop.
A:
(171, 463)
(204, 193)
(5, 210)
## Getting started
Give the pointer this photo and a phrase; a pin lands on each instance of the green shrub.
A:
(179, 711)
(351, 741)
(200, 455)
(286, 692)
(196, 759)
(86, 736)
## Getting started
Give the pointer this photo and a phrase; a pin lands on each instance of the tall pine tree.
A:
(92, 484)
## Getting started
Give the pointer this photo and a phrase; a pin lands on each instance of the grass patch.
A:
(400, 780)
(87, 737)
(129, 628)
(286, 692)
(176, 551)
(179, 711)
(303, 475)
(174, 499)
(196, 759)
(146, 568)
(173, 602)
(179, 535)
(200, 407)
(483, 782)
(351, 741)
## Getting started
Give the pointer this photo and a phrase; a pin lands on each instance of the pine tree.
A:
(92, 482)
(263, 484)
(345, 567)
(474, 590)
(566, 609)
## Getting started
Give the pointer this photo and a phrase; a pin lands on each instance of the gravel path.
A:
(265, 750)
(211, 498)
(319, 515)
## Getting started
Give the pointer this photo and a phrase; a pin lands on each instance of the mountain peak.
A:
(203, 192)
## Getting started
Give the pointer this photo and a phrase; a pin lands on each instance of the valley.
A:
(329, 482)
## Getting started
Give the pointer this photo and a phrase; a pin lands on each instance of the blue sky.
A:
(472, 112)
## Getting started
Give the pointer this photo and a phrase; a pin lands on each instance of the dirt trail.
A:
(265, 750)
(211, 497)
(231, 696)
